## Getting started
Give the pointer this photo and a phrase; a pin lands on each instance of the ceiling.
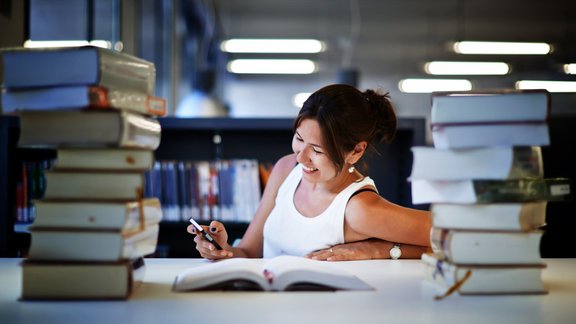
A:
(396, 37)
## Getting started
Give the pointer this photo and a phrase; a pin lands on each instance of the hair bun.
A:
(384, 115)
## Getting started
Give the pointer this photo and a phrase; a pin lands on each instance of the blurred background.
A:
(396, 46)
(368, 43)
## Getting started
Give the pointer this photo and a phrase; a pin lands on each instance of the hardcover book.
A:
(474, 107)
(94, 185)
(120, 159)
(281, 273)
(82, 97)
(481, 280)
(477, 163)
(482, 135)
(476, 191)
(50, 67)
(496, 217)
(52, 244)
(125, 217)
(88, 128)
(486, 247)
(81, 280)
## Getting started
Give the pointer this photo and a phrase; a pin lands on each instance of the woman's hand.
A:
(208, 250)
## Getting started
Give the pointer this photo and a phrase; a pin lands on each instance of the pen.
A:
(205, 234)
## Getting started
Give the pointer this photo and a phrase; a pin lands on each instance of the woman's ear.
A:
(360, 148)
(358, 151)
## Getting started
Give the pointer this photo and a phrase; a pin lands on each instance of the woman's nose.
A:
(302, 154)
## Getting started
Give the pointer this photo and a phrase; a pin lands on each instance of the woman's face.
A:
(308, 143)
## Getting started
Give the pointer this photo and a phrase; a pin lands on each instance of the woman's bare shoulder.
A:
(284, 165)
(281, 170)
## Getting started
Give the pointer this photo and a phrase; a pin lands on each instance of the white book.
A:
(475, 191)
(497, 217)
(486, 247)
(125, 216)
(481, 135)
(496, 162)
(84, 185)
(104, 159)
(477, 280)
(490, 106)
(91, 245)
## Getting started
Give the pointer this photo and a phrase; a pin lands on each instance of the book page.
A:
(299, 273)
(229, 274)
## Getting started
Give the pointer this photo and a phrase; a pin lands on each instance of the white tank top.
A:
(286, 231)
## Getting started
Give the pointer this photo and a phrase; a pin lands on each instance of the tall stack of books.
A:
(484, 179)
(93, 226)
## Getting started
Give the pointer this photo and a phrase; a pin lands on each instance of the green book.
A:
(491, 191)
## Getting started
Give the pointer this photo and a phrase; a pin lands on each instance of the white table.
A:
(401, 297)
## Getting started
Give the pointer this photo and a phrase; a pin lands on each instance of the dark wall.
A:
(560, 161)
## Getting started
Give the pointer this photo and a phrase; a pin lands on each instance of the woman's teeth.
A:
(309, 169)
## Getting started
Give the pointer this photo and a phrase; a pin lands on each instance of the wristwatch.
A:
(395, 252)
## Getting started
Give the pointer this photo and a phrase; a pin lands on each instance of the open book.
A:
(283, 273)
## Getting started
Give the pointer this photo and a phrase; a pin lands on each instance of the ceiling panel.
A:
(398, 36)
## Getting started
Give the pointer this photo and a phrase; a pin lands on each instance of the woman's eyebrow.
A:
(311, 144)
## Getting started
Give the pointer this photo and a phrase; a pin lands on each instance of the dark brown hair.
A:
(348, 116)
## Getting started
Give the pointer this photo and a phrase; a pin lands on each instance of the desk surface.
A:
(401, 297)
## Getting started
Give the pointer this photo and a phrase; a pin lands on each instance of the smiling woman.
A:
(318, 201)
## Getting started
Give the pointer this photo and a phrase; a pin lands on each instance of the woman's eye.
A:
(316, 151)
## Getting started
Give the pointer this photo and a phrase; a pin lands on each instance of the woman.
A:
(316, 202)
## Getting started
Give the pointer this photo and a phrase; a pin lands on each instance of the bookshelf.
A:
(194, 139)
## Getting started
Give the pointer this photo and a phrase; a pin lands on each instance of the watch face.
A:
(395, 252)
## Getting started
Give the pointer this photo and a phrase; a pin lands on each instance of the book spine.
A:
(527, 163)
(123, 71)
(522, 190)
(139, 131)
(101, 97)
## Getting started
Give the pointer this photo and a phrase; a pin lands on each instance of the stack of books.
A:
(93, 226)
(484, 179)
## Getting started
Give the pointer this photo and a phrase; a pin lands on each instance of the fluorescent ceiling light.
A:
(431, 85)
(67, 43)
(272, 46)
(269, 66)
(299, 99)
(551, 86)
(466, 68)
(502, 48)
(570, 68)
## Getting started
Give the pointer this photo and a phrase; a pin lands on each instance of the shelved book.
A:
(227, 190)
(476, 191)
(88, 128)
(126, 217)
(490, 118)
(473, 279)
(81, 280)
(486, 247)
(66, 244)
(50, 67)
(490, 217)
(495, 162)
(283, 273)
(82, 97)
